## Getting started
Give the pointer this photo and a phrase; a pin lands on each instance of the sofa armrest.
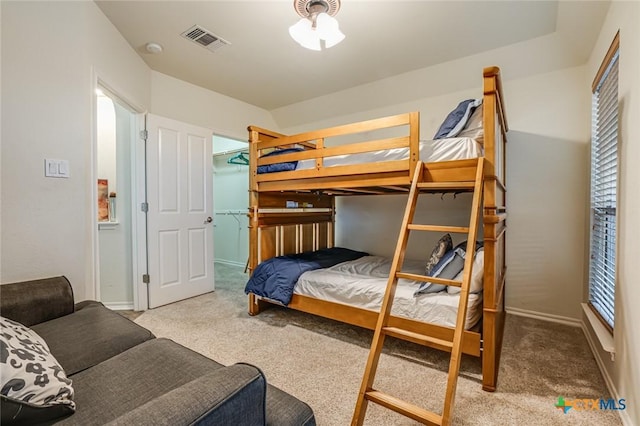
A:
(36, 301)
(233, 395)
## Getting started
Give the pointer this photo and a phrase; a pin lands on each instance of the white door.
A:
(180, 198)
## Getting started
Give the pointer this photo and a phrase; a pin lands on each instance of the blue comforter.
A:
(275, 278)
(279, 167)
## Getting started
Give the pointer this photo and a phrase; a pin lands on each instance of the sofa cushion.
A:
(232, 395)
(133, 378)
(90, 336)
(284, 409)
(34, 388)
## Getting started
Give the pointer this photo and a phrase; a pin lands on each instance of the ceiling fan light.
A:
(304, 35)
(334, 39)
(317, 28)
(325, 25)
(298, 30)
(328, 30)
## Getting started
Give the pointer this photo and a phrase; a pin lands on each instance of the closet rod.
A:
(233, 151)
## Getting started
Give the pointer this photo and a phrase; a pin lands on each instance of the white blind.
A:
(604, 179)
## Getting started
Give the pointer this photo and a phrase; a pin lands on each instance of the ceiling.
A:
(263, 66)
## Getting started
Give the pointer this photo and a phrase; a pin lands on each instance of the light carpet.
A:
(321, 362)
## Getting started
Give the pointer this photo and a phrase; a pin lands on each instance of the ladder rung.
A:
(416, 337)
(404, 408)
(444, 186)
(425, 279)
(438, 228)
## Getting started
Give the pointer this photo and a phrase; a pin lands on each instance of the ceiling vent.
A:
(205, 38)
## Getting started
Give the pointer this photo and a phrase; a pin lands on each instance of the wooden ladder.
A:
(367, 392)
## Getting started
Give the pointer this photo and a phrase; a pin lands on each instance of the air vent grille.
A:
(205, 38)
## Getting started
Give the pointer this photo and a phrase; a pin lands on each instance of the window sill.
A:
(604, 336)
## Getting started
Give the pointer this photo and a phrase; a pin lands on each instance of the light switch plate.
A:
(63, 168)
(56, 168)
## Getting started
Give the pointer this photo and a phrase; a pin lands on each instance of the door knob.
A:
(208, 220)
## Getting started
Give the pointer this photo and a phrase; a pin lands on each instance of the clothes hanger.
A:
(239, 159)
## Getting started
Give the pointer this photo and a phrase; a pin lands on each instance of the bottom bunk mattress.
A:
(361, 283)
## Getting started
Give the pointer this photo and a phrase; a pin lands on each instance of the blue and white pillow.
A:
(457, 119)
(449, 267)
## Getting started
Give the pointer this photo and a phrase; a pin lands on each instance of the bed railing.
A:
(316, 147)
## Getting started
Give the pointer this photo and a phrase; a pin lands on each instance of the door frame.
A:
(138, 195)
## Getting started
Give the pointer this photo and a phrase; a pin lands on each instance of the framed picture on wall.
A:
(103, 200)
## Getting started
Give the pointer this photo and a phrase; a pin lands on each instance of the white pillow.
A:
(29, 374)
(474, 128)
(477, 275)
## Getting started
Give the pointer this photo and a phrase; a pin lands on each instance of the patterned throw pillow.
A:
(31, 379)
(442, 246)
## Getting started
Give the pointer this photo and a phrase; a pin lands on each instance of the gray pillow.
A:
(33, 386)
(448, 268)
(443, 245)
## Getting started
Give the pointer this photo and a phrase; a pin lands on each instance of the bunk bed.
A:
(293, 211)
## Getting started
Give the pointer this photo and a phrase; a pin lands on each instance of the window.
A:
(604, 183)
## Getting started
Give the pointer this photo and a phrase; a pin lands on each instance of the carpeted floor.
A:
(321, 362)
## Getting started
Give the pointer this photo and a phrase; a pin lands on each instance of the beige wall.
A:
(47, 107)
(623, 374)
(186, 102)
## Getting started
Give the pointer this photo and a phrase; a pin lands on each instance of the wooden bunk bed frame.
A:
(279, 227)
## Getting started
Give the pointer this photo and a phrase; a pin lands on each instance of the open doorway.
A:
(116, 247)
(230, 201)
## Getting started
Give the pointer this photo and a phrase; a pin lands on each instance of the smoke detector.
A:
(205, 38)
(153, 48)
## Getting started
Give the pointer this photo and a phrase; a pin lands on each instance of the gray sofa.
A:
(122, 375)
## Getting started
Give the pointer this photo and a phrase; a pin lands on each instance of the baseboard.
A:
(544, 317)
(624, 414)
(229, 262)
(119, 306)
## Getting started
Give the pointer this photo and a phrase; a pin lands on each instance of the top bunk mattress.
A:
(362, 283)
(431, 151)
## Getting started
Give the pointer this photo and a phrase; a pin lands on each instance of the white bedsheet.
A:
(430, 151)
(362, 283)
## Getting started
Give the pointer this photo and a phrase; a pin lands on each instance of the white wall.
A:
(47, 107)
(192, 104)
(106, 142)
(623, 374)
